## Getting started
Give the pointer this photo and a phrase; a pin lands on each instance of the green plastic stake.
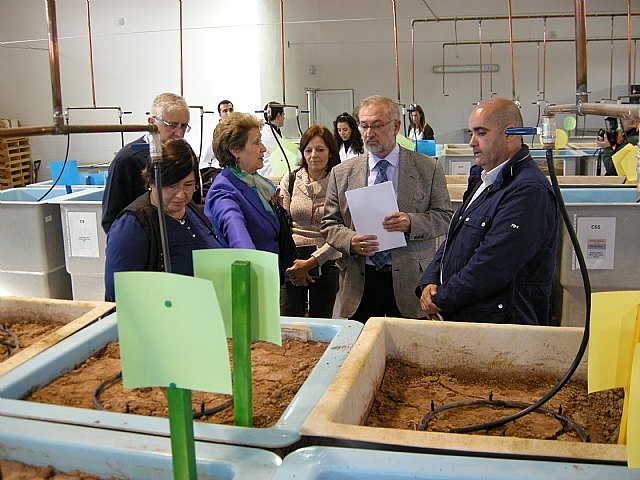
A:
(183, 448)
(241, 351)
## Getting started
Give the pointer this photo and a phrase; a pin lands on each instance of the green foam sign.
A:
(171, 332)
(215, 265)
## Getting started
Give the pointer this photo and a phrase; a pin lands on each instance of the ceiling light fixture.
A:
(475, 68)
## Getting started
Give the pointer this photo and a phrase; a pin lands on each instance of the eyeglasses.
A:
(173, 190)
(363, 127)
(175, 125)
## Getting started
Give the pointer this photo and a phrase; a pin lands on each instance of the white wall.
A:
(231, 49)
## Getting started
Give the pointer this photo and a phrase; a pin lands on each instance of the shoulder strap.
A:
(147, 215)
(292, 181)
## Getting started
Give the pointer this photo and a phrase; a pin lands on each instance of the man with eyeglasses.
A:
(382, 285)
(170, 113)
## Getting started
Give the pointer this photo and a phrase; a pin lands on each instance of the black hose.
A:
(284, 154)
(585, 337)
(213, 410)
(95, 399)
(200, 156)
(16, 341)
(299, 126)
(503, 404)
(64, 164)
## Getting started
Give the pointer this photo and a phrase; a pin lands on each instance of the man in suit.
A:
(368, 290)
(499, 258)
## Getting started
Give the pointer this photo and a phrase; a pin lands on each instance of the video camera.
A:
(611, 132)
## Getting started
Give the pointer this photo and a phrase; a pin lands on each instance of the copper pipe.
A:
(54, 63)
(582, 95)
(480, 49)
(59, 128)
(284, 98)
(93, 82)
(413, 68)
(629, 47)
(611, 62)
(515, 17)
(395, 36)
(544, 60)
(619, 110)
(535, 40)
(94, 107)
(443, 94)
(490, 71)
(181, 48)
(513, 63)
(496, 17)
(635, 58)
(538, 90)
(68, 129)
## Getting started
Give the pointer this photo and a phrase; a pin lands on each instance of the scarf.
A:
(259, 184)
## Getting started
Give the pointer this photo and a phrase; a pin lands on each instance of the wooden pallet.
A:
(16, 166)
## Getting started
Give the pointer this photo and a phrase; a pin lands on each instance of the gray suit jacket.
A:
(422, 194)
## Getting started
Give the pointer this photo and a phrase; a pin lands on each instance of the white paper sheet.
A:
(83, 234)
(368, 206)
(597, 236)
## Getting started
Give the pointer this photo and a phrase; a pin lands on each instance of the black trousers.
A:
(320, 296)
(378, 299)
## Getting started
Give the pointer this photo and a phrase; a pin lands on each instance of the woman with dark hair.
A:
(134, 239)
(419, 129)
(313, 278)
(241, 203)
(347, 135)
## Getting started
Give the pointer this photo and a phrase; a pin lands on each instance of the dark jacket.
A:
(147, 215)
(134, 242)
(124, 180)
(499, 257)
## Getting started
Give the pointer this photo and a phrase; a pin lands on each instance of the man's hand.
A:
(426, 300)
(397, 222)
(364, 245)
(602, 142)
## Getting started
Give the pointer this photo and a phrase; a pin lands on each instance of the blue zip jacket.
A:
(499, 258)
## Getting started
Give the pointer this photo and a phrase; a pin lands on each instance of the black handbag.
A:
(287, 251)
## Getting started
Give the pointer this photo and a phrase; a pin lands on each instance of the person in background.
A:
(347, 135)
(630, 129)
(499, 257)
(274, 121)
(240, 202)
(208, 159)
(382, 285)
(134, 239)
(209, 165)
(419, 129)
(170, 113)
(302, 194)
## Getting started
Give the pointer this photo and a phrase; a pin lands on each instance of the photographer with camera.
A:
(610, 141)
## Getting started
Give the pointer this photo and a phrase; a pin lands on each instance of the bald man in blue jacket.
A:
(499, 257)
